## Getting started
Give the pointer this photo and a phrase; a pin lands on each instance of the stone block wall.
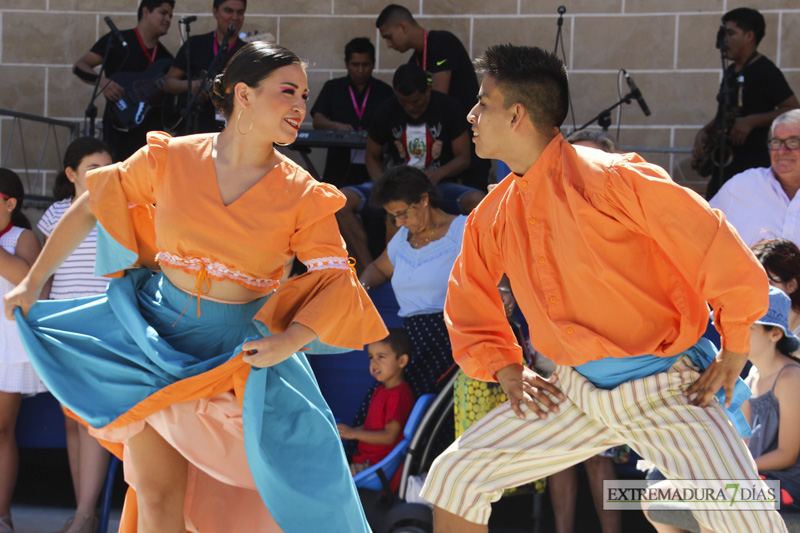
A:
(666, 45)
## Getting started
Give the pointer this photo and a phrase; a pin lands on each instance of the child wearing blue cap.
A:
(773, 409)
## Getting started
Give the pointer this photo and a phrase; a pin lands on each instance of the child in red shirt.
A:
(391, 403)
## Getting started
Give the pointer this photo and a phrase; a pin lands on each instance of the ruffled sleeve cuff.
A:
(329, 300)
(122, 198)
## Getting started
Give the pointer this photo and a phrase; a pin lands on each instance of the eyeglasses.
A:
(403, 215)
(792, 143)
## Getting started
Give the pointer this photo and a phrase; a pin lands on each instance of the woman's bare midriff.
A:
(220, 291)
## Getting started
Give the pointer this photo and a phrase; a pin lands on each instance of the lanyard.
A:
(424, 52)
(151, 57)
(216, 44)
(359, 112)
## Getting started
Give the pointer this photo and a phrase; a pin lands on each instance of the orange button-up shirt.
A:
(607, 257)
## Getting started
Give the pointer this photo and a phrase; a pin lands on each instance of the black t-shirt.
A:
(134, 60)
(443, 120)
(128, 59)
(335, 103)
(764, 88)
(445, 52)
(202, 61)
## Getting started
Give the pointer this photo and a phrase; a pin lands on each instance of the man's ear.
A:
(518, 115)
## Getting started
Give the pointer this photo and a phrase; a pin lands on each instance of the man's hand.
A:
(699, 144)
(112, 90)
(521, 384)
(740, 130)
(722, 372)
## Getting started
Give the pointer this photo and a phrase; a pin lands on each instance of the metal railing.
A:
(51, 133)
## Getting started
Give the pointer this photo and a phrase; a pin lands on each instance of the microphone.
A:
(636, 93)
(187, 20)
(115, 31)
(562, 10)
(721, 33)
(230, 32)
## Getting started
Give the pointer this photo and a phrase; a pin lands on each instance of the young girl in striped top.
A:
(75, 278)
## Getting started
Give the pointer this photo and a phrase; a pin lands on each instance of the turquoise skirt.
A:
(101, 356)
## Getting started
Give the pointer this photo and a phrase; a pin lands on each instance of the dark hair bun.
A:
(218, 93)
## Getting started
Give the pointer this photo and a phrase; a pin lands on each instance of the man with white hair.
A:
(762, 203)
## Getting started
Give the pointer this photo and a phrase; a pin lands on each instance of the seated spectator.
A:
(772, 409)
(781, 260)
(391, 403)
(564, 485)
(348, 104)
(417, 261)
(761, 203)
(420, 128)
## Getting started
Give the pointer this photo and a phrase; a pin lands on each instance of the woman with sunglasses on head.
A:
(18, 250)
(781, 260)
(195, 373)
(417, 261)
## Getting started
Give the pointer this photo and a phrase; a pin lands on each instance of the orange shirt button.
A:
(570, 331)
(552, 299)
(542, 260)
(524, 183)
(532, 220)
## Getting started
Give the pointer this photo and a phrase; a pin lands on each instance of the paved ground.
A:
(38, 519)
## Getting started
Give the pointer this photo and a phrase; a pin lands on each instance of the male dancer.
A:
(612, 264)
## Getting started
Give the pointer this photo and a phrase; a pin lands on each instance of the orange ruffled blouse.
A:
(607, 257)
(248, 242)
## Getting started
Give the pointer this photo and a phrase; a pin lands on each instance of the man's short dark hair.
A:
(747, 19)
(532, 77)
(359, 45)
(152, 5)
(218, 3)
(410, 78)
(392, 14)
(400, 342)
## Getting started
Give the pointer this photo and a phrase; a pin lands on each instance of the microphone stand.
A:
(560, 23)
(91, 110)
(724, 102)
(190, 110)
(604, 117)
(560, 40)
(187, 115)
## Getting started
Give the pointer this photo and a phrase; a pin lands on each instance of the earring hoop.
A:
(239, 124)
(282, 144)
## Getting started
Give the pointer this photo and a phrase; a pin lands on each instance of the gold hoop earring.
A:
(238, 122)
(282, 144)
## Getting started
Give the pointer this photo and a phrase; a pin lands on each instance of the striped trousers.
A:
(650, 414)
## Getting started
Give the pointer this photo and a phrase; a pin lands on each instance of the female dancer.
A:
(157, 363)
(88, 460)
(18, 249)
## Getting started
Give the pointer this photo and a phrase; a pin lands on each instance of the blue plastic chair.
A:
(379, 476)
